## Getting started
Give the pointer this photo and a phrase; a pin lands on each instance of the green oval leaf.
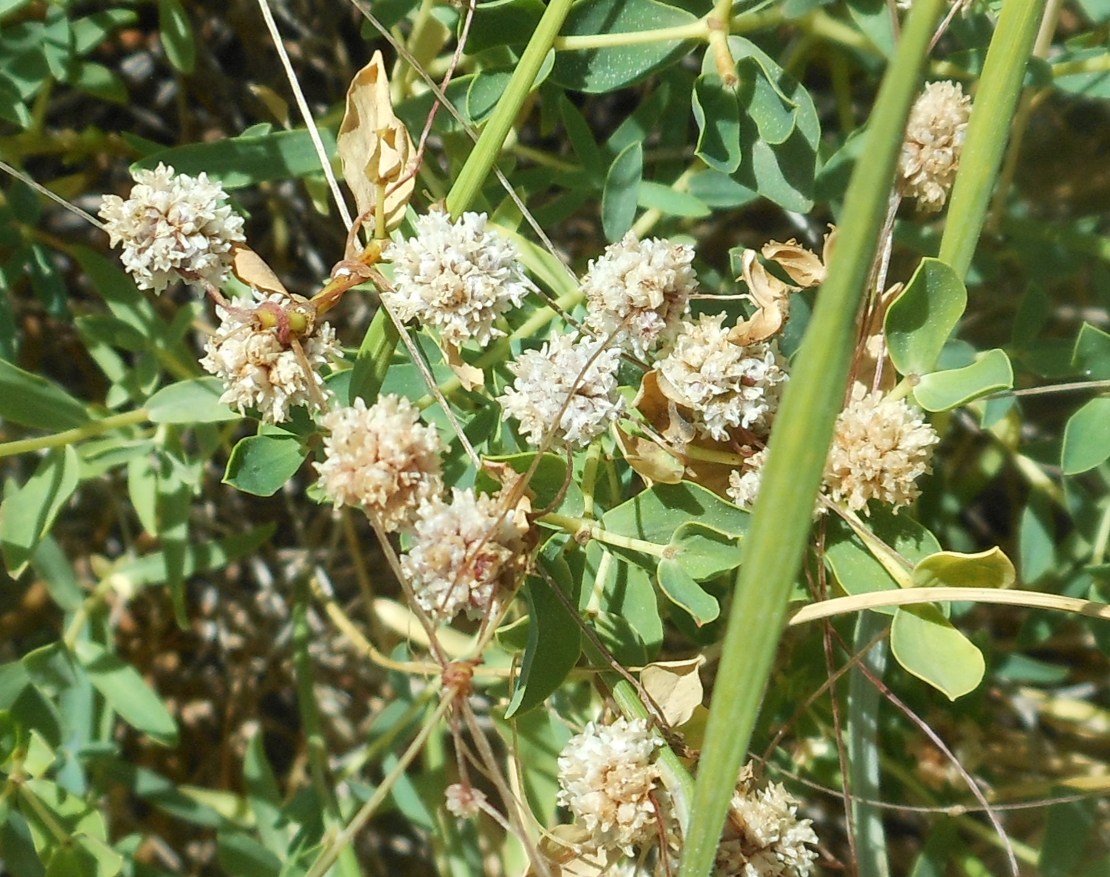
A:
(195, 401)
(681, 589)
(622, 191)
(717, 113)
(262, 464)
(126, 692)
(245, 161)
(704, 552)
(773, 115)
(986, 569)
(780, 171)
(28, 513)
(554, 637)
(920, 320)
(1092, 353)
(177, 35)
(926, 644)
(600, 70)
(1087, 437)
(945, 390)
(30, 400)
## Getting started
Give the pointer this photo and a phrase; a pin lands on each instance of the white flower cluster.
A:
(639, 290)
(260, 371)
(880, 448)
(567, 386)
(457, 276)
(934, 140)
(461, 553)
(765, 838)
(173, 227)
(463, 801)
(726, 385)
(381, 459)
(744, 484)
(606, 777)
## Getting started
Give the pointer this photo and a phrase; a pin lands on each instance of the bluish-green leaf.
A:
(263, 795)
(126, 692)
(177, 35)
(503, 23)
(1087, 437)
(705, 552)
(601, 70)
(99, 81)
(680, 588)
(622, 191)
(782, 172)
(1092, 353)
(941, 391)
(671, 202)
(717, 113)
(855, 566)
(875, 21)
(262, 464)
(194, 401)
(773, 114)
(581, 137)
(554, 635)
(922, 318)
(30, 400)
(926, 644)
(28, 513)
(246, 161)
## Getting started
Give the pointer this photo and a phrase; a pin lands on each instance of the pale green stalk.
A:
(803, 430)
(988, 130)
(77, 434)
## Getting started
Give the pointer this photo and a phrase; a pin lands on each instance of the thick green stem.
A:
(803, 431)
(478, 165)
(863, 750)
(988, 130)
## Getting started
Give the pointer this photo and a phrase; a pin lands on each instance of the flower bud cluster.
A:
(934, 140)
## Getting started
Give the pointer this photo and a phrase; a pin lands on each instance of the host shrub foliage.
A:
(478, 532)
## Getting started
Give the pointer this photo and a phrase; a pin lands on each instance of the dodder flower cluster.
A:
(457, 277)
(726, 385)
(606, 777)
(259, 369)
(880, 448)
(567, 386)
(639, 290)
(462, 551)
(765, 838)
(173, 227)
(934, 140)
(381, 459)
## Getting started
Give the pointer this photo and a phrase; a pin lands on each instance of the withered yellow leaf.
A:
(375, 148)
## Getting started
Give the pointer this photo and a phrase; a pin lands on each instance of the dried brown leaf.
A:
(252, 270)
(375, 148)
(676, 688)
